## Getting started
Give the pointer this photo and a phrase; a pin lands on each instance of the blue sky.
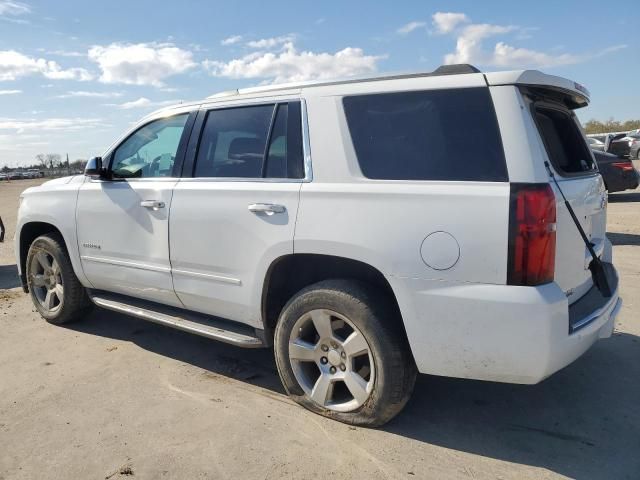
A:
(74, 75)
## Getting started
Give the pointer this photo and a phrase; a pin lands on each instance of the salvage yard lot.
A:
(113, 396)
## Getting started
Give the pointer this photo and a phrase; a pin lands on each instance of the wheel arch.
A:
(289, 274)
(26, 235)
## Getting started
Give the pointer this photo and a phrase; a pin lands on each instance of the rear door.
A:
(235, 208)
(575, 168)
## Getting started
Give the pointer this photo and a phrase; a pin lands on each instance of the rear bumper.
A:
(498, 332)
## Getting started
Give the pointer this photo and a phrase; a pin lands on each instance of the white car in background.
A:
(342, 223)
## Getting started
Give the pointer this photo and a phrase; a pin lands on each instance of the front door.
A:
(123, 223)
(237, 213)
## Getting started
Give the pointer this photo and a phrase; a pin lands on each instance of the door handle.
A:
(268, 208)
(154, 204)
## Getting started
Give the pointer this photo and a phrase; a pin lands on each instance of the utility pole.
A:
(68, 166)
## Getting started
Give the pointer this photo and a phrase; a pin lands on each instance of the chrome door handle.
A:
(154, 204)
(268, 208)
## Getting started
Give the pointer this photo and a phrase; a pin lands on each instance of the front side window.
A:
(151, 151)
(261, 141)
(427, 135)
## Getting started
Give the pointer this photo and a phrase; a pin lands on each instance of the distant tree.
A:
(610, 125)
(41, 158)
(78, 164)
(53, 160)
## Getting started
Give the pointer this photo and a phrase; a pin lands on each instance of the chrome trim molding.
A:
(124, 263)
(306, 143)
(208, 276)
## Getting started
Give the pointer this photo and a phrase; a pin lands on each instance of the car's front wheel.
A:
(341, 352)
(55, 290)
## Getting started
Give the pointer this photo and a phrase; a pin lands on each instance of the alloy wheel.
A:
(331, 360)
(46, 281)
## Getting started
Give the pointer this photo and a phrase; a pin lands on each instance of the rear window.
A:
(563, 140)
(427, 135)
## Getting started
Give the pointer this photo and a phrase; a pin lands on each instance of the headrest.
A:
(246, 148)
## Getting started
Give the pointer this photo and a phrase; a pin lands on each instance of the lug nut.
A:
(332, 369)
(343, 367)
(343, 355)
(334, 345)
(324, 360)
(324, 348)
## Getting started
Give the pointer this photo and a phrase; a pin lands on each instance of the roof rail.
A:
(455, 69)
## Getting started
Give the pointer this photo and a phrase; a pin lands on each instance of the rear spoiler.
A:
(574, 94)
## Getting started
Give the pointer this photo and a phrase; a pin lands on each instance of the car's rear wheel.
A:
(55, 290)
(341, 352)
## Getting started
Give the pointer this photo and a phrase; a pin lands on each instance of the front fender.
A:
(53, 204)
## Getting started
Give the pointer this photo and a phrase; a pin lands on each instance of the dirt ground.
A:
(114, 397)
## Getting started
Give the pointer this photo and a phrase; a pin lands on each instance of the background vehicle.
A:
(595, 144)
(618, 174)
(623, 145)
(341, 223)
(634, 145)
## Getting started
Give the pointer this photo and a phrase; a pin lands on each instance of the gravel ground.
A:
(114, 397)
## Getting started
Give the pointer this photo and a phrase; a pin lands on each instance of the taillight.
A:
(532, 234)
(624, 166)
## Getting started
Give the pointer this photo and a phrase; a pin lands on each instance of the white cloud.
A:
(266, 43)
(140, 63)
(14, 65)
(9, 7)
(144, 102)
(82, 93)
(293, 65)
(10, 92)
(232, 40)
(65, 53)
(471, 48)
(49, 124)
(410, 27)
(446, 22)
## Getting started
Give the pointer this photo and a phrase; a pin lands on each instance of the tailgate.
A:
(577, 175)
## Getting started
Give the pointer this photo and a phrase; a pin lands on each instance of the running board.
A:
(192, 322)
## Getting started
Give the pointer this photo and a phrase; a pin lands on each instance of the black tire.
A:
(377, 320)
(638, 154)
(75, 303)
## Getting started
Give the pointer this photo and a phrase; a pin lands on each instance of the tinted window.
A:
(427, 135)
(151, 150)
(285, 158)
(563, 140)
(233, 142)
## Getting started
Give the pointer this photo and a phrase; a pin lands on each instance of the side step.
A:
(192, 322)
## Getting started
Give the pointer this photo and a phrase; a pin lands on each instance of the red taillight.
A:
(624, 166)
(532, 234)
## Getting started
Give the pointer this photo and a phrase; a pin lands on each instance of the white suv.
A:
(367, 229)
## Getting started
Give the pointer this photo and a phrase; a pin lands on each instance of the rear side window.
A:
(252, 142)
(563, 140)
(427, 135)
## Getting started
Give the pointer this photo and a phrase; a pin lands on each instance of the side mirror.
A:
(94, 168)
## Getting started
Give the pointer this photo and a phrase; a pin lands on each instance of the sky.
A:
(75, 75)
